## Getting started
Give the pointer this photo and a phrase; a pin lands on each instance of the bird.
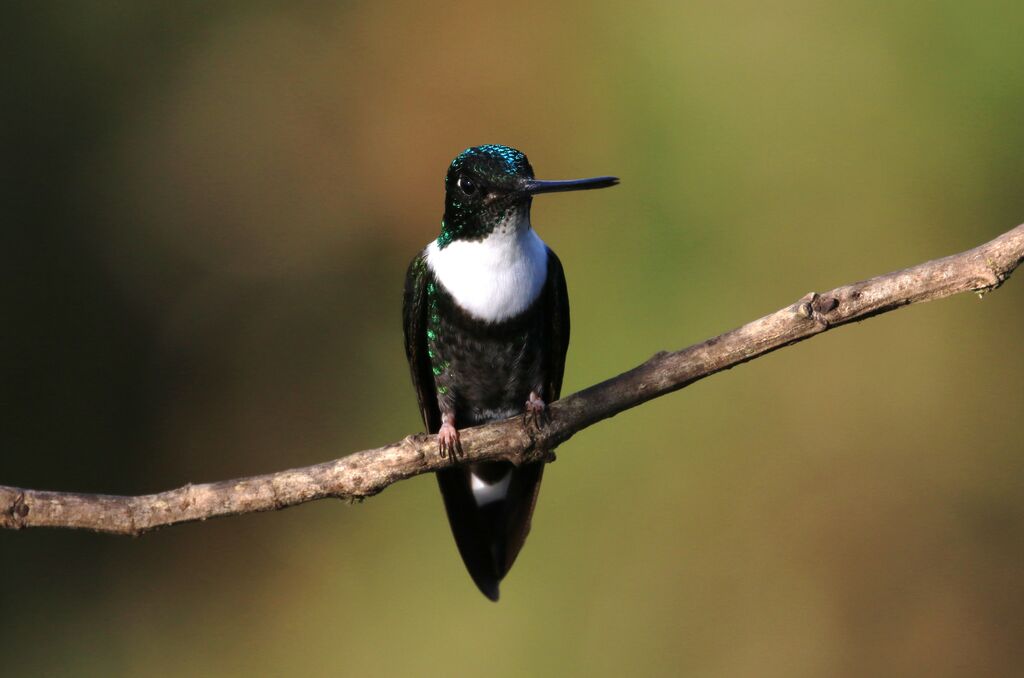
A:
(486, 326)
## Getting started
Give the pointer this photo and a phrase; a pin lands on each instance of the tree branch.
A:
(366, 473)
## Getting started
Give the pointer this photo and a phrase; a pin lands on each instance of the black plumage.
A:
(489, 371)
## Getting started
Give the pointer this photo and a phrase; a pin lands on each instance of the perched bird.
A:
(486, 318)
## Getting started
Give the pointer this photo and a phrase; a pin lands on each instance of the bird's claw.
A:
(448, 442)
(537, 412)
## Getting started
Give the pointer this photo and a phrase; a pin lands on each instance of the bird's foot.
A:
(448, 443)
(537, 412)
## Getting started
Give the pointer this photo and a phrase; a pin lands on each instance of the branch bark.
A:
(363, 474)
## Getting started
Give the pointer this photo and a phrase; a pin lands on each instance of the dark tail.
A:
(489, 508)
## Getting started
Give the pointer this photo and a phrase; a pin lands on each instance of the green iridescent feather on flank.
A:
(490, 166)
(437, 366)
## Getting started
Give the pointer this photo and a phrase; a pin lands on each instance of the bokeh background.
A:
(208, 209)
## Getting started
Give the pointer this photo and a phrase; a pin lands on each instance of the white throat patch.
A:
(495, 278)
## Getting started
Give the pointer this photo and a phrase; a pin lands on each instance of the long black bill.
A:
(535, 186)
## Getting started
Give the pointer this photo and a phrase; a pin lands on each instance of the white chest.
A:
(496, 278)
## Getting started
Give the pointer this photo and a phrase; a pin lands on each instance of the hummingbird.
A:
(486, 320)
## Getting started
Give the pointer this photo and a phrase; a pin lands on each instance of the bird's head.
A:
(489, 188)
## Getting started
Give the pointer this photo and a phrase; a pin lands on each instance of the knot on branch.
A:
(995, 277)
(15, 514)
(814, 306)
(537, 441)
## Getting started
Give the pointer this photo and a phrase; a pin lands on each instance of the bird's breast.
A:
(493, 279)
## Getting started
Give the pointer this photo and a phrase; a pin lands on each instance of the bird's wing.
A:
(414, 317)
(556, 312)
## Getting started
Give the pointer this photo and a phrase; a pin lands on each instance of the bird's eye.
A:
(466, 185)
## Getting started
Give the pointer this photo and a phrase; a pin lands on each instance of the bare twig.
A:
(366, 473)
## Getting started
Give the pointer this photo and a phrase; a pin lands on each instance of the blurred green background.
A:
(208, 209)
